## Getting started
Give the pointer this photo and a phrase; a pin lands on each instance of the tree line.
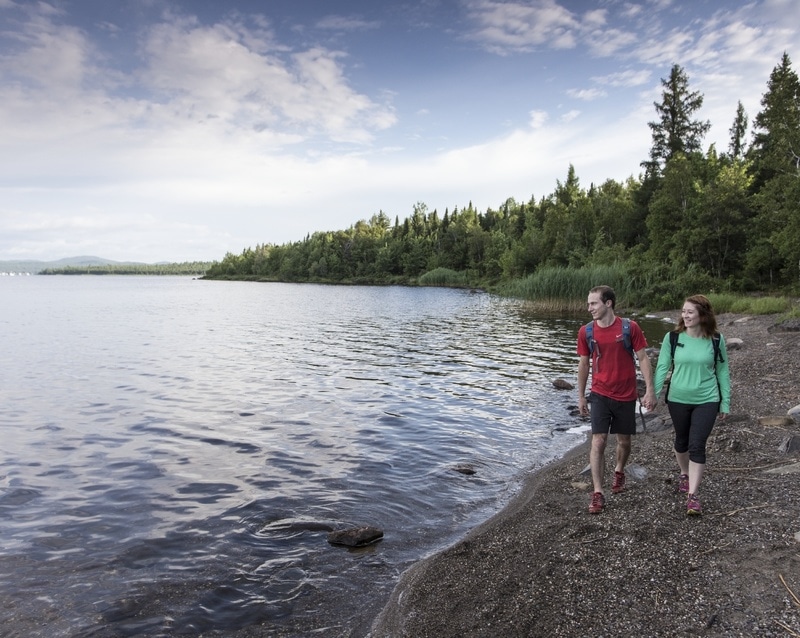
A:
(695, 219)
(196, 268)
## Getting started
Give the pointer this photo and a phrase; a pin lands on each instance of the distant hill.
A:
(33, 267)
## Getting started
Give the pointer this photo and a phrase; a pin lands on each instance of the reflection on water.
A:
(175, 451)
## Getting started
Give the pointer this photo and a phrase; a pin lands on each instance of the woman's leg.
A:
(695, 476)
(702, 422)
(683, 461)
(681, 415)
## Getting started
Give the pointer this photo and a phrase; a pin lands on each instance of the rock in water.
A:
(562, 384)
(355, 536)
(464, 468)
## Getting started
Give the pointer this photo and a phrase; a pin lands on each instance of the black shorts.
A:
(610, 416)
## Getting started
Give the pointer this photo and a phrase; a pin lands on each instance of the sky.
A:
(182, 130)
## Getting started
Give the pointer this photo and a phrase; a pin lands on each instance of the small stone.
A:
(775, 421)
(728, 444)
(636, 472)
(791, 445)
(734, 343)
(561, 384)
(794, 413)
(789, 468)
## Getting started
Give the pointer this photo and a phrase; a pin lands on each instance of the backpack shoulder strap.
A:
(717, 353)
(590, 337)
(626, 335)
(673, 342)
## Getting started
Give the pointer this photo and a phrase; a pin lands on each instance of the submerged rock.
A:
(464, 468)
(355, 536)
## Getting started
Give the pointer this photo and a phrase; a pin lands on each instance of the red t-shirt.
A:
(613, 367)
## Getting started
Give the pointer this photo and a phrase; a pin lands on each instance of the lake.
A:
(175, 450)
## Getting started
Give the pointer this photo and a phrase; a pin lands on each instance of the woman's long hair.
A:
(708, 321)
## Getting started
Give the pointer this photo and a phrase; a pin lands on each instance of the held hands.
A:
(649, 401)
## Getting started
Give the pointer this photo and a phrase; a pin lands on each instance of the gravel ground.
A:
(545, 567)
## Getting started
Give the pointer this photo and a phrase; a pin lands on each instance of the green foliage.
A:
(558, 288)
(792, 313)
(676, 132)
(749, 305)
(196, 268)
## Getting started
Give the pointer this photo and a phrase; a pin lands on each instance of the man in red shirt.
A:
(614, 390)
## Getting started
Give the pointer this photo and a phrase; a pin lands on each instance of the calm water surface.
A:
(174, 451)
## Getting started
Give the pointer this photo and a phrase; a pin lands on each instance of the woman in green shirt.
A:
(698, 391)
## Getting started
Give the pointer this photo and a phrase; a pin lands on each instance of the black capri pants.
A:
(693, 424)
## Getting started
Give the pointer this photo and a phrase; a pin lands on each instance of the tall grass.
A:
(749, 305)
(555, 289)
(444, 277)
(643, 287)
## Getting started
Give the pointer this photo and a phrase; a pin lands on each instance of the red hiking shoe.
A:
(597, 504)
(619, 482)
(693, 506)
(683, 484)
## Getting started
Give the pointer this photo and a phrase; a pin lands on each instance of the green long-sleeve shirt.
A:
(694, 380)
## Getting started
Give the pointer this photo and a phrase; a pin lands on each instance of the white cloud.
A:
(209, 71)
(538, 119)
(518, 26)
(223, 136)
(624, 78)
(586, 94)
(346, 23)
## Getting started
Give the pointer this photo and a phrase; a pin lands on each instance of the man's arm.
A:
(649, 399)
(583, 377)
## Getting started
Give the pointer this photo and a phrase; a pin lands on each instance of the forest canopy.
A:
(695, 219)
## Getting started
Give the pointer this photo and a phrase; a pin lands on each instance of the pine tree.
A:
(774, 253)
(676, 131)
(738, 132)
(776, 136)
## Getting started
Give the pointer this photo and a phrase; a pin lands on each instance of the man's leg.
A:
(623, 451)
(597, 460)
(624, 426)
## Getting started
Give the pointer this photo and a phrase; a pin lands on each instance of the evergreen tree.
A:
(738, 131)
(776, 135)
(774, 253)
(676, 131)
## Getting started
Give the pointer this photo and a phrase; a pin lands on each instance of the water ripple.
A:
(177, 451)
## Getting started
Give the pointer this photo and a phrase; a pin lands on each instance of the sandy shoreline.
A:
(545, 567)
